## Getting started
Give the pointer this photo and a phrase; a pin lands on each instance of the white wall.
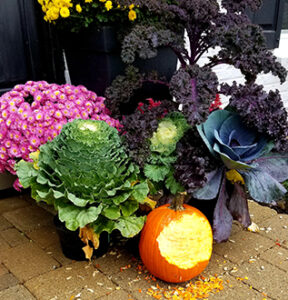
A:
(228, 73)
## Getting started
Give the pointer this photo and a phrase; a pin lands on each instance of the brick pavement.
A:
(32, 266)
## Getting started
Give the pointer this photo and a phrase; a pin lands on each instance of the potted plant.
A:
(91, 34)
(34, 113)
(204, 163)
(86, 174)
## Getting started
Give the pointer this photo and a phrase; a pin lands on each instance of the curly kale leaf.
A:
(261, 110)
(195, 88)
(243, 46)
(138, 128)
(194, 162)
(241, 5)
(122, 89)
(144, 41)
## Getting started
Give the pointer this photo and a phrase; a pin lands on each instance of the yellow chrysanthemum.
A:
(78, 8)
(52, 13)
(108, 5)
(88, 1)
(64, 12)
(131, 6)
(132, 15)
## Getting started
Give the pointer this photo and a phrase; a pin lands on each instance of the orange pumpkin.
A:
(176, 242)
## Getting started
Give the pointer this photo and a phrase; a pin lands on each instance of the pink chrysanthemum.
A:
(33, 113)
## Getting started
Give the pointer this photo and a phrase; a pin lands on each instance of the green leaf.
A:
(155, 172)
(172, 185)
(112, 212)
(130, 226)
(26, 173)
(121, 198)
(77, 201)
(103, 224)
(140, 191)
(129, 207)
(58, 194)
(75, 217)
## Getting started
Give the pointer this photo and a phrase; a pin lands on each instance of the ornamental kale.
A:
(138, 128)
(195, 86)
(159, 166)
(247, 162)
(260, 110)
(231, 152)
(88, 177)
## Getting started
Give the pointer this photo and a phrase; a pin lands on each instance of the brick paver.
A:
(15, 293)
(3, 246)
(276, 228)
(278, 256)
(266, 278)
(260, 213)
(13, 237)
(236, 289)
(29, 218)
(66, 282)
(7, 280)
(242, 246)
(44, 236)
(3, 270)
(253, 266)
(27, 261)
(4, 224)
(13, 203)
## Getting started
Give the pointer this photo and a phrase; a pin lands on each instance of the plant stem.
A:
(177, 202)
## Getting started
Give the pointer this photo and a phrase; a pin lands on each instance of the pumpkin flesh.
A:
(176, 246)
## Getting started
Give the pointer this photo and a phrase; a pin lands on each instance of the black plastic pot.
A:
(94, 61)
(72, 245)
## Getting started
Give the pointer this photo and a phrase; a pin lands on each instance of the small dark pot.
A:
(94, 60)
(132, 245)
(72, 245)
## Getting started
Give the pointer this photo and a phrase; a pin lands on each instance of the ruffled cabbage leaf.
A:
(87, 175)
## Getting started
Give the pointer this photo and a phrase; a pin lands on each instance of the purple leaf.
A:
(262, 187)
(276, 165)
(211, 188)
(238, 205)
(222, 221)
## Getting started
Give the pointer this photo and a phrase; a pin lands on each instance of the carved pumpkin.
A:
(176, 242)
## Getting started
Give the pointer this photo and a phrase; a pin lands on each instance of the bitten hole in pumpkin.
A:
(184, 242)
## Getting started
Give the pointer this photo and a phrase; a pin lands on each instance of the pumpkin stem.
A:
(177, 202)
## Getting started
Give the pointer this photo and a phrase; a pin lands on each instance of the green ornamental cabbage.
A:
(88, 177)
(159, 166)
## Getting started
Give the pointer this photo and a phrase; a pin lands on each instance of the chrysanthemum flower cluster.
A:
(33, 113)
(58, 9)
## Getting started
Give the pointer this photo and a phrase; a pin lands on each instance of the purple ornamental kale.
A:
(260, 110)
(194, 162)
(242, 45)
(248, 165)
(138, 128)
(240, 5)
